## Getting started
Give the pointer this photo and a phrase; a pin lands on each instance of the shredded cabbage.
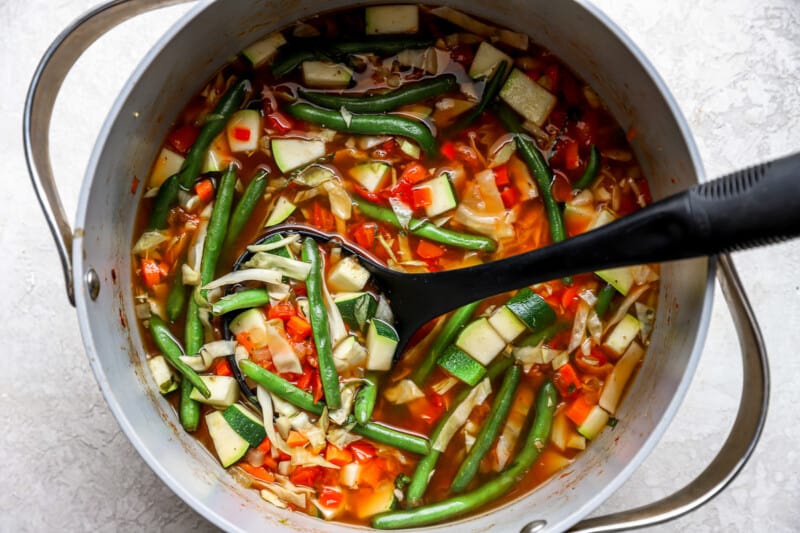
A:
(148, 242)
(460, 414)
(403, 392)
(290, 268)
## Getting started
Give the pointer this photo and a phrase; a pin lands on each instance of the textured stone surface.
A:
(733, 66)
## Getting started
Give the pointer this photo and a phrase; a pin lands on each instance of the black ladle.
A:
(752, 207)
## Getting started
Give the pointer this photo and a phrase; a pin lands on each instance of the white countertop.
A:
(734, 68)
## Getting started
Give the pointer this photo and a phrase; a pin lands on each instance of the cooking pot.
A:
(96, 259)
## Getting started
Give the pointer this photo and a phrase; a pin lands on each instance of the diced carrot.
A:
(362, 451)
(151, 273)
(244, 339)
(282, 310)
(257, 472)
(205, 190)
(421, 197)
(306, 475)
(428, 250)
(448, 150)
(222, 368)
(241, 134)
(337, 455)
(510, 197)
(270, 463)
(501, 176)
(364, 235)
(297, 328)
(566, 381)
(265, 445)
(578, 410)
(414, 173)
(371, 473)
(329, 497)
(296, 439)
(183, 138)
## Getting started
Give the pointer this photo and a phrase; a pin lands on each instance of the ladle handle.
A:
(45, 84)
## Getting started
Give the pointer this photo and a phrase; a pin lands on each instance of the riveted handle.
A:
(45, 85)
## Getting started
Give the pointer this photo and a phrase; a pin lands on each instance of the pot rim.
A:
(82, 302)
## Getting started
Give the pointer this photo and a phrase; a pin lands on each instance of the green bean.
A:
(392, 437)
(176, 299)
(217, 226)
(453, 325)
(490, 92)
(252, 194)
(604, 299)
(319, 325)
(491, 490)
(172, 351)
(378, 103)
(426, 465)
(544, 334)
(304, 400)
(489, 430)
(377, 124)
(167, 193)
(189, 410)
(245, 299)
(318, 48)
(230, 102)
(281, 388)
(539, 168)
(592, 166)
(425, 229)
(365, 399)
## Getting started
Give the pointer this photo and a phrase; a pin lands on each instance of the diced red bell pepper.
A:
(428, 250)
(279, 122)
(322, 217)
(414, 173)
(241, 134)
(510, 197)
(367, 195)
(297, 328)
(501, 176)
(222, 368)
(570, 298)
(421, 197)
(448, 149)
(364, 234)
(306, 475)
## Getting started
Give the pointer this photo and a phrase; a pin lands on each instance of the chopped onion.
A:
(142, 311)
(626, 304)
(460, 414)
(247, 274)
(403, 392)
(148, 241)
(254, 457)
(529, 356)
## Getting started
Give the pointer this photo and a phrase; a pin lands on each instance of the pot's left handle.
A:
(44, 87)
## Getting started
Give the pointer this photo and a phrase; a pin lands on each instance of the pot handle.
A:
(741, 441)
(42, 92)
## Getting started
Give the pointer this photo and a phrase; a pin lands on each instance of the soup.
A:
(431, 140)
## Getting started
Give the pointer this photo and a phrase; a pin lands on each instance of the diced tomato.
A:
(337, 455)
(329, 497)
(151, 273)
(241, 134)
(566, 381)
(421, 197)
(362, 451)
(297, 328)
(322, 217)
(265, 445)
(222, 368)
(282, 310)
(183, 138)
(414, 173)
(257, 472)
(428, 250)
(205, 190)
(570, 298)
(510, 197)
(448, 150)
(367, 195)
(279, 122)
(579, 409)
(501, 176)
(364, 234)
(306, 475)
(296, 439)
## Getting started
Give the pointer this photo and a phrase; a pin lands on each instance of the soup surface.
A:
(431, 140)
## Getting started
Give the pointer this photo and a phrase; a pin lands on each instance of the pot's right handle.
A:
(741, 441)
(50, 73)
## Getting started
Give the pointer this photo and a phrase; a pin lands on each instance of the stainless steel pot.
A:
(96, 261)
